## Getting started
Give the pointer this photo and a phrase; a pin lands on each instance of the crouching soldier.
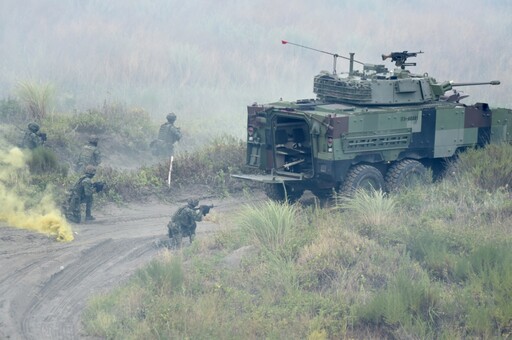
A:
(82, 192)
(184, 222)
(33, 137)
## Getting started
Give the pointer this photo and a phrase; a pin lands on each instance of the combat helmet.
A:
(192, 202)
(90, 170)
(171, 117)
(34, 127)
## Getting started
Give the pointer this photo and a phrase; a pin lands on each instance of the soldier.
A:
(168, 134)
(33, 137)
(183, 222)
(82, 192)
(90, 154)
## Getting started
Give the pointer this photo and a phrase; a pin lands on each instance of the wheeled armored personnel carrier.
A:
(367, 128)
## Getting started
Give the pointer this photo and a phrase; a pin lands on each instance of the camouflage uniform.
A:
(90, 155)
(82, 193)
(183, 223)
(168, 134)
(33, 137)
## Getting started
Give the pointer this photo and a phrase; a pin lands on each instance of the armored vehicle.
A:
(367, 128)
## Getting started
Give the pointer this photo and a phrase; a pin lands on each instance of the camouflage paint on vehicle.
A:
(364, 126)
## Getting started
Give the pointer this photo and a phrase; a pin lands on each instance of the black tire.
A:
(405, 173)
(362, 176)
(276, 192)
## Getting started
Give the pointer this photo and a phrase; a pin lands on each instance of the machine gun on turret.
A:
(400, 58)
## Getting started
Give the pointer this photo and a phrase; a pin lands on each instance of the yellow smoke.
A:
(43, 216)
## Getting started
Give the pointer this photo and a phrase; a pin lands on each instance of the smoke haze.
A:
(42, 215)
(208, 59)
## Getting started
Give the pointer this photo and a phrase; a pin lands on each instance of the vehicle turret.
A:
(375, 85)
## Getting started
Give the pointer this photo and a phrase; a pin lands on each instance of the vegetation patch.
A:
(426, 262)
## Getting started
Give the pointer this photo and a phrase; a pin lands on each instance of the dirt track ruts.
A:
(45, 285)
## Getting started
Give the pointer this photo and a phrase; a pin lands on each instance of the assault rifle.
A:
(43, 136)
(205, 209)
(100, 186)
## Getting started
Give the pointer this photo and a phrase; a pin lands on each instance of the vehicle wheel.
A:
(276, 192)
(405, 173)
(364, 177)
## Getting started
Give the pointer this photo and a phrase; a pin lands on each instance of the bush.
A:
(275, 228)
(487, 292)
(490, 168)
(373, 209)
(408, 307)
(128, 185)
(211, 165)
(44, 160)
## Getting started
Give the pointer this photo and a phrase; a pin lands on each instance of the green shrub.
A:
(434, 250)
(163, 277)
(490, 168)
(485, 300)
(410, 304)
(372, 208)
(128, 185)
(275, 228)
(211, 165)
(44, 160)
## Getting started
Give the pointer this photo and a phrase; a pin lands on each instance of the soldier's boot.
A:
(88, 215)
(191, 237)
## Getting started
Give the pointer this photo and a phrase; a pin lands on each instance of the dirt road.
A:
(44, 284)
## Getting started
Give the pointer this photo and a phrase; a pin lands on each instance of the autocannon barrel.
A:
(493, 82)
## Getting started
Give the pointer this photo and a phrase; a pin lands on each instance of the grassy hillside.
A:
(428, 262)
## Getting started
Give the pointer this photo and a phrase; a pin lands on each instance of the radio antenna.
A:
(335, 55)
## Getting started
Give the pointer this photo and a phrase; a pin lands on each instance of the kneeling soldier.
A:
(184, 222)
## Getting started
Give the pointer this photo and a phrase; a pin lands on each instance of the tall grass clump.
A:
(37, 97)
(373, 212)
(372, 207)
(274, 228)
